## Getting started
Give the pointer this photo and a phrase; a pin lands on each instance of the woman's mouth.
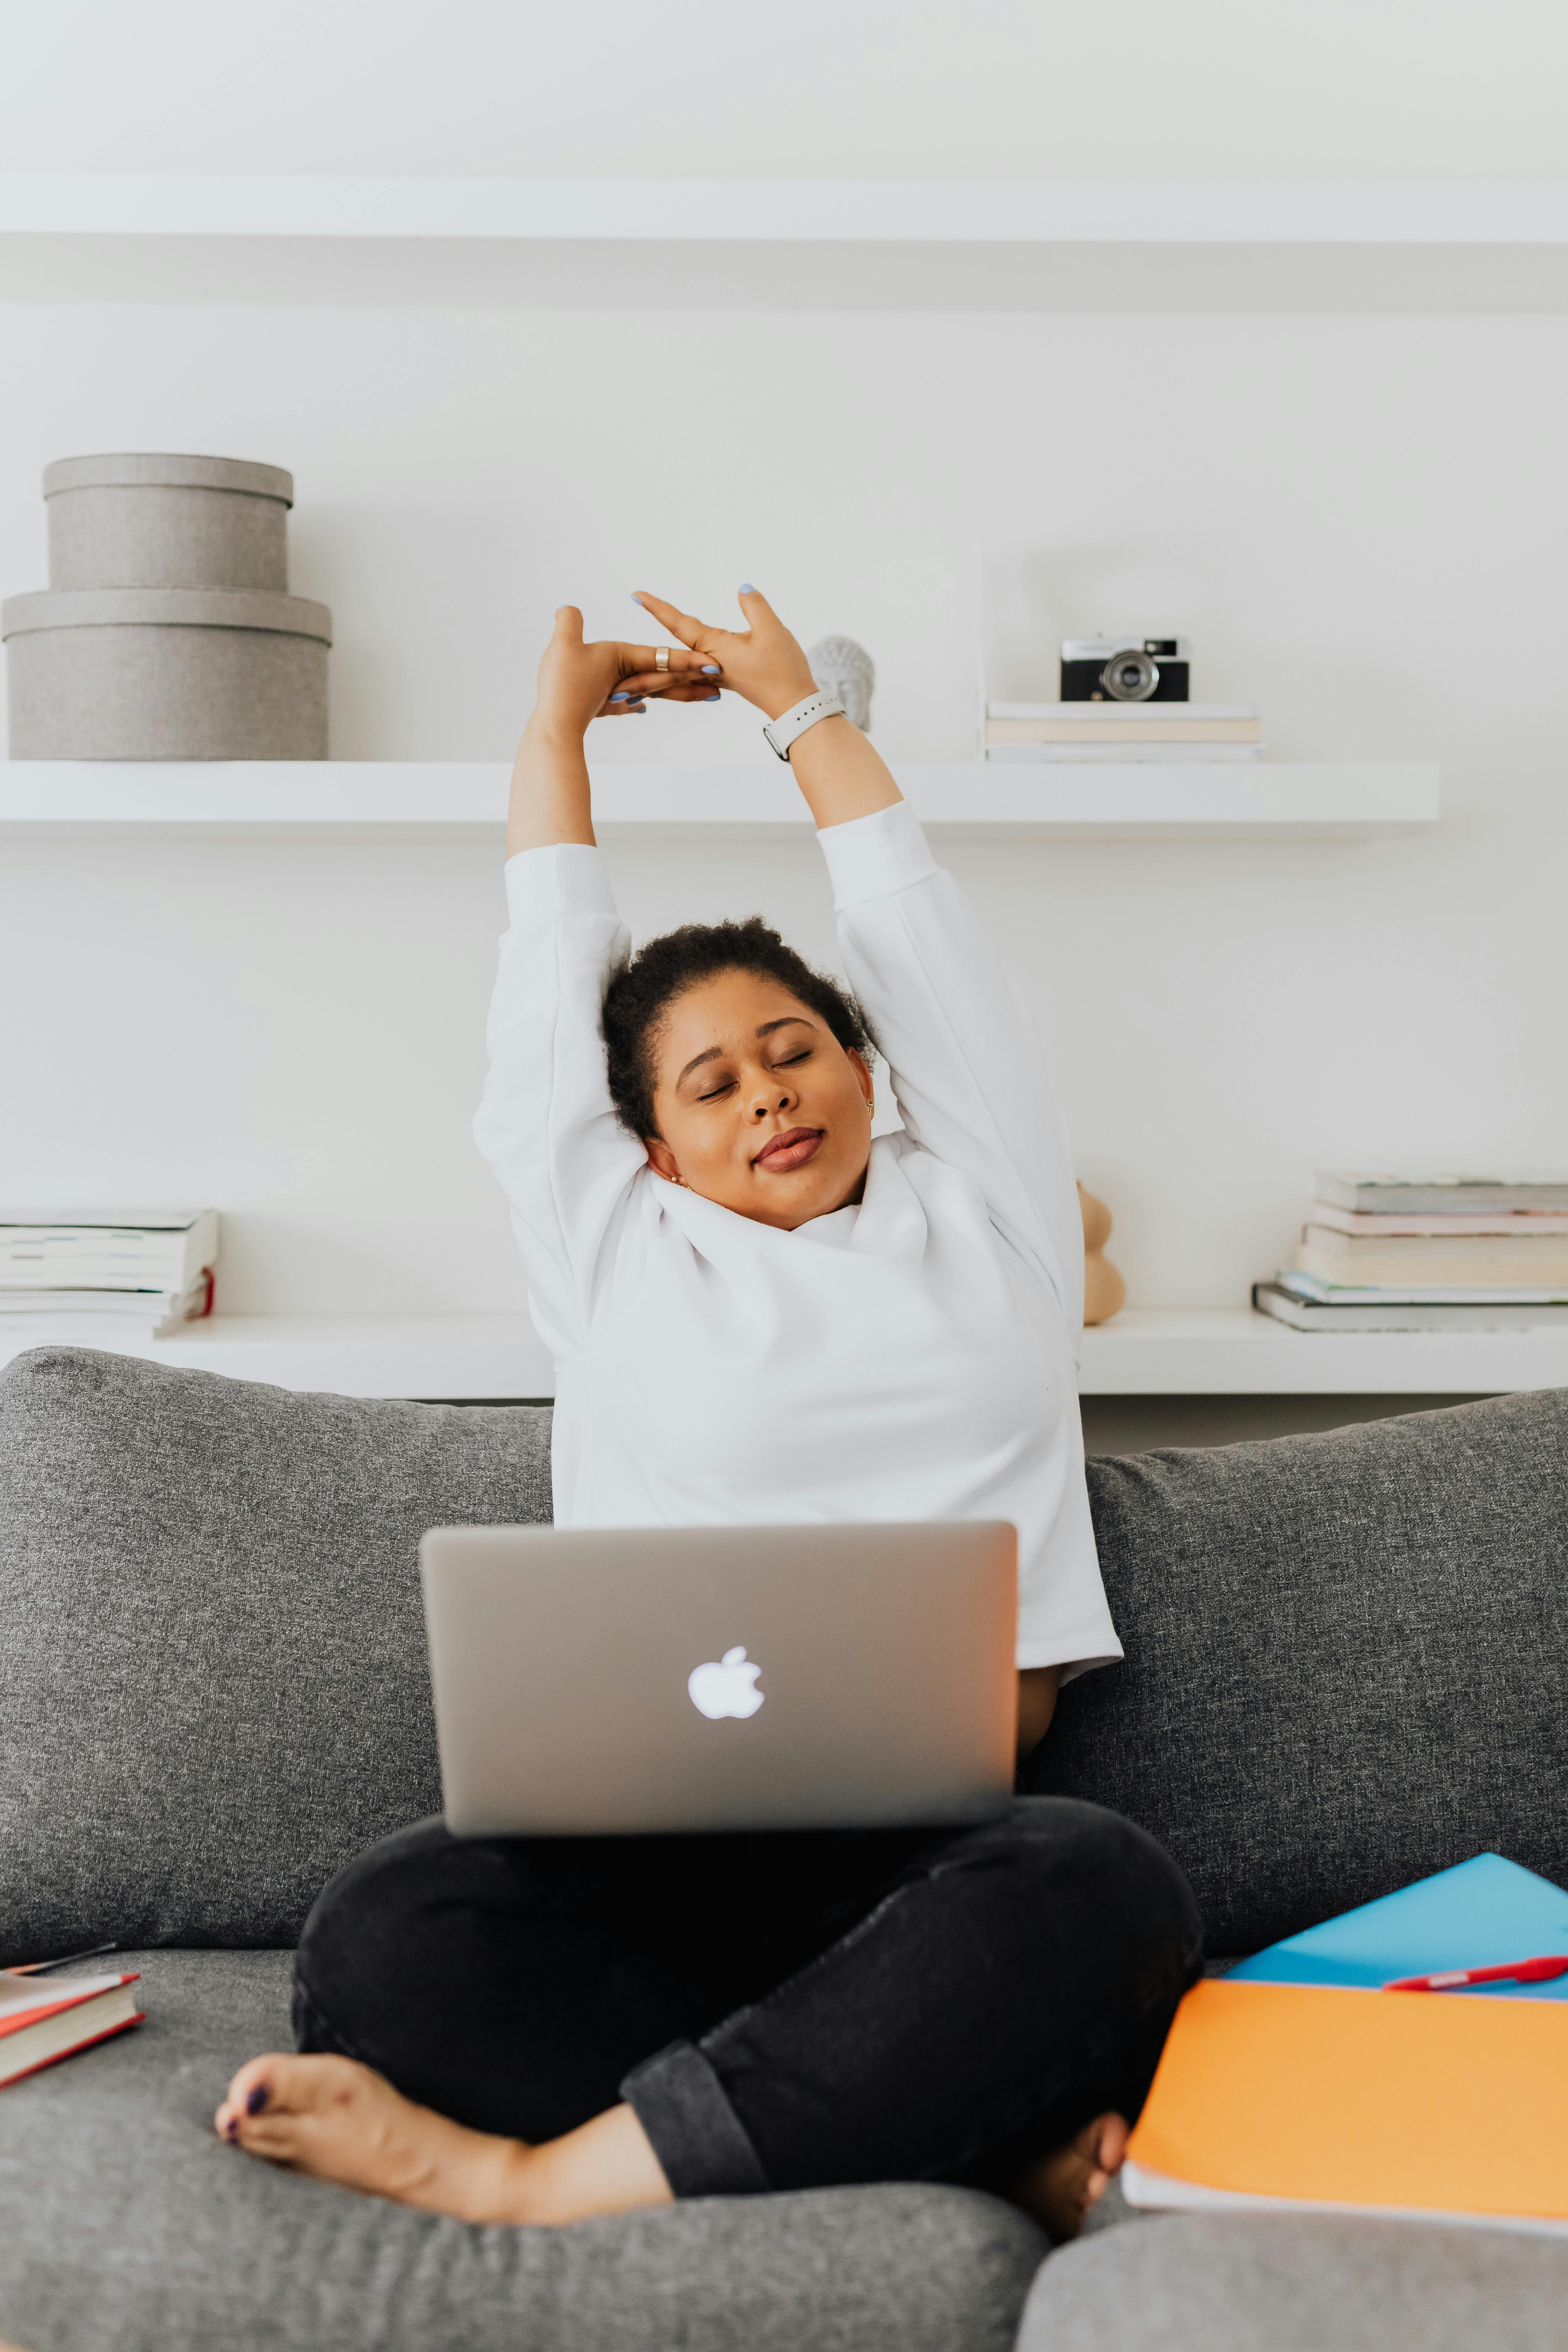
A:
(791, 1149)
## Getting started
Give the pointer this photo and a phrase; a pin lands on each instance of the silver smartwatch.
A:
(782, 732)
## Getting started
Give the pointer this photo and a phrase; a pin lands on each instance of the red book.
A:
(45, 2018)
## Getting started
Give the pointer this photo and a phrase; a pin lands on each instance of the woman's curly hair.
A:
(640, 993)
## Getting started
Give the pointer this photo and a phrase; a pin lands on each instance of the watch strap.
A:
(782, 732)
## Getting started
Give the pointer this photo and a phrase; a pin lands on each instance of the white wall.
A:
(1371, 89)
(1358, 519)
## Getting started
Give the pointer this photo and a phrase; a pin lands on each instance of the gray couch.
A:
(1345, 1667)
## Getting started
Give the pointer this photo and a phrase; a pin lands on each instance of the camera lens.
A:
(1129, 677)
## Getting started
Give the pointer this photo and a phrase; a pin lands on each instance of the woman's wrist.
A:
(839, 775)
(551, 798)
(554, 730)
(779, 699)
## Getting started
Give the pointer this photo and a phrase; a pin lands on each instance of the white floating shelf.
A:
(432, 1356)
(974, 800)
(1147, 1352)
(818, 211)
(814, 244)
(1232, 1351)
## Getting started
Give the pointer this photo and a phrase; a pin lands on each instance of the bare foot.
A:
(1058, 2189)
(343, 2122)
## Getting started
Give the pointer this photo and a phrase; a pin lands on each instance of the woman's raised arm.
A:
(547, 1125)
(839, 774)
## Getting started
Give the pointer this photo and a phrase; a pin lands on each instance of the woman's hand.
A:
(579, 682)
(762, 663)
(1038, 1689)
(551, 801)
(839, 775)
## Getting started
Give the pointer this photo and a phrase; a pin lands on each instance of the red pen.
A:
(1538, 1971)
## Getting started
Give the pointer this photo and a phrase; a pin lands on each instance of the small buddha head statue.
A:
(840, 666)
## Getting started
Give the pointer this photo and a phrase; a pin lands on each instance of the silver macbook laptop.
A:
(595, 1682)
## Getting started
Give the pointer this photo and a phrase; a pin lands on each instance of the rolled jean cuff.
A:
(702, 2145)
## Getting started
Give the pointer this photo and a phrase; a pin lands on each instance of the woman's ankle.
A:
(503, 2181)
(606, 2166)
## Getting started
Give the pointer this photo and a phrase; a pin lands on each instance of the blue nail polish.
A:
(620, 698)
(747, 589)
(709, 669)
(715, 696)
(256, 2100)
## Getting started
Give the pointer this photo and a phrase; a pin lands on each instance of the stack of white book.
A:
(1068, 732)
(1428, 1253)
(119, 1275)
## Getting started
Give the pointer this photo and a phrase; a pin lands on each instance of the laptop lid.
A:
(618, 1680)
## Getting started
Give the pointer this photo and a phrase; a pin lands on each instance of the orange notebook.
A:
(1446, 2107)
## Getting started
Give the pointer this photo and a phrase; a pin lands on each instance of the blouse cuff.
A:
(875, 857)
(567, 877)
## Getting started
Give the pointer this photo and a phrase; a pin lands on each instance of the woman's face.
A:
(758, 1106)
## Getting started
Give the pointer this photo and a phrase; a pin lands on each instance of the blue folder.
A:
(1480, 1915)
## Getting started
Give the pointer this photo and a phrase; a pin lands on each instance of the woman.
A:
(759, 1315)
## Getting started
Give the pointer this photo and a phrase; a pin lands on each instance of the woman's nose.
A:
(773, 1097)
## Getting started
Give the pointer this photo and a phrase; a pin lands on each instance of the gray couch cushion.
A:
(1347, 1660)
(125, 2226)
(1245, 2283)
(213, 1686)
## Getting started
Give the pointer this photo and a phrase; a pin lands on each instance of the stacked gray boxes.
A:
(167, 631)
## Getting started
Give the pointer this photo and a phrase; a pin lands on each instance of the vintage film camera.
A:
(1125, 669)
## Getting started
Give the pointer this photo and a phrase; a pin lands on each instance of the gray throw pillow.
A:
(1347, 1660)
(213, 1679)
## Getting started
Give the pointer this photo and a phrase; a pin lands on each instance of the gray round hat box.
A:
(167, 631)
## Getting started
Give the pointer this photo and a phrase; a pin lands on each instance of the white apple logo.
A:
(725, 1686)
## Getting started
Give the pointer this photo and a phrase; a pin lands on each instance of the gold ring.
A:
(661, 658)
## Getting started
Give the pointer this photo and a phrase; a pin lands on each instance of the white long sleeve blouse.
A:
(912, 1357)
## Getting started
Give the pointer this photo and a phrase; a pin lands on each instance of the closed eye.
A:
(717, 1092)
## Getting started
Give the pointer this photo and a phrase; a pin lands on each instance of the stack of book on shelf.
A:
(1428, 1253)
(110, 1278)
(1068, 732)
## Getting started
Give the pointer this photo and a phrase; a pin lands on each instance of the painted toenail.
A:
(258, 2100)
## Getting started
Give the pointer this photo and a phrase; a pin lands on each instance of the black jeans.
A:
(783, 2010)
